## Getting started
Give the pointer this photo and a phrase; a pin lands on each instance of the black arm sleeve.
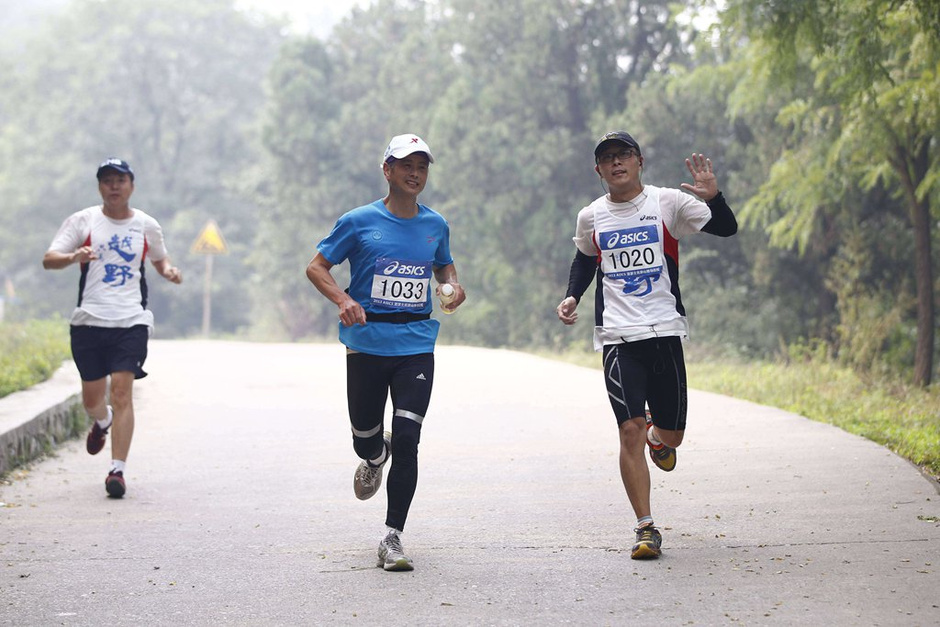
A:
(722, 222)
(582, 272)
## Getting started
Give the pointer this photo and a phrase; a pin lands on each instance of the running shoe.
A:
(368, 479)
(663, 456)
(392, 555)
(114, 484)
(96, 438)
(648, 543)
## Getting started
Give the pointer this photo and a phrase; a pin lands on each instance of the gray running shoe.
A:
(392, 555)
(368, 479)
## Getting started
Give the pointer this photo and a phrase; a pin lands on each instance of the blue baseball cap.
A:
(118, 165)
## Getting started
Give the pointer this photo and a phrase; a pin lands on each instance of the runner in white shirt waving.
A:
(110, 325)
(628, 238)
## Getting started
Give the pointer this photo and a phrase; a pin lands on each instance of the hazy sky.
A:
(316, 16)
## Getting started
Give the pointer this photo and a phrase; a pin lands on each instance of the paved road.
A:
(240, 510)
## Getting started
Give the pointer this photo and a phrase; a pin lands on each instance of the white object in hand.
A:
(447, 295)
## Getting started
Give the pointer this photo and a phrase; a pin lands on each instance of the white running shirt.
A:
(112, 288)
(631, 241)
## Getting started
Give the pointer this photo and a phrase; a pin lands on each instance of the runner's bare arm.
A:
(54, 260)
(168, 271)
(318, 271)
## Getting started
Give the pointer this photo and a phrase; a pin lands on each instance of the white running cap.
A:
(403, 145)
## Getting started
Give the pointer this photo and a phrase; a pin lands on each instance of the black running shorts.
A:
(99, 351)
(648, 373)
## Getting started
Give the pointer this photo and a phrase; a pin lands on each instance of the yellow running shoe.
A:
(663, 456)
(648, 543)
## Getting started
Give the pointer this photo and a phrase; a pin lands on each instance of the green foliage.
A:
(171, 86)
(906, 419)
(884, 410)
(503, 92)
(820, 117)
(331, 113)
(873, 333)
(862, 116)
(31, 352)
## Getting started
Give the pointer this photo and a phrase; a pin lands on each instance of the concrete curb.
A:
(33, 422)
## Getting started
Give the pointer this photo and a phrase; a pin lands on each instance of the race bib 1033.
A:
(401, 284)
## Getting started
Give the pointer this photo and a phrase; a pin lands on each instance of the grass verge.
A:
(904, 418)
(31, 352)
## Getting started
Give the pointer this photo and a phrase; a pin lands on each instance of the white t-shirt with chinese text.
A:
(113, 287)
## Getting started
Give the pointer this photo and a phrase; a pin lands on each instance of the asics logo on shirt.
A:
(642, 218)
(403, 269)
(630, 237)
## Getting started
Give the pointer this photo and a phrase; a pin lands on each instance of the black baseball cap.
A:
(118, 165)
(616, 136)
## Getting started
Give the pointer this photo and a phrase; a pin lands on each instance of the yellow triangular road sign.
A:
(210, 241)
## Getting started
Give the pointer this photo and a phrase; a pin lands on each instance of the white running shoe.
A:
(392, 555)
(368, 479)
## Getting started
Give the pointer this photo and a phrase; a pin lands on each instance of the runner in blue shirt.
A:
(394, 246)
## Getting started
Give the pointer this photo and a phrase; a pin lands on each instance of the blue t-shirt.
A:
(391, 263)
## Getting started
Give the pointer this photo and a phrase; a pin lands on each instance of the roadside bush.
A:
(31, 352)
(809, 381)
(896, 414)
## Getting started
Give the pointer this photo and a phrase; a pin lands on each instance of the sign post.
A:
(209, 243)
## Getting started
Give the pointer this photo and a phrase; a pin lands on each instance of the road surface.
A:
(240, 509)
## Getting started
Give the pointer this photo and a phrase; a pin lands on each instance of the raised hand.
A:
(705, 184)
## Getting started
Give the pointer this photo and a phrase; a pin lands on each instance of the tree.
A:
(535, 82)
(510, 95)
(334, 106)
(871, 121)
(174, 87)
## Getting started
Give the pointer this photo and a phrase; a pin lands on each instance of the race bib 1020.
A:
(630, 253)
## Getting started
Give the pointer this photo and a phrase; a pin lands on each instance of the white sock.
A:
(118, 465)
(645, 520)
(651, 437)
(390, 530)
(104, 424)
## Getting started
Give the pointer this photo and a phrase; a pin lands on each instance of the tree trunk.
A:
(923, 353)
(913, 170)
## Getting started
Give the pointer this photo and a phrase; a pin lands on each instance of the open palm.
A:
(705, 183)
